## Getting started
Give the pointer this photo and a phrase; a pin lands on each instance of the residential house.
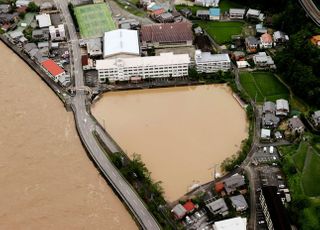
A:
(282, 107)
(252, 44)
(262, 60)
(198, 30)
(269, 107)
(238, 55)
(218, 207)
(280, 37)
(214, 14)
(5, 8)
(273, 209)
(165, 17)
(189, 206)
(265, 134)
(239, 203)
(232, 183)
(253, 13)
(260, 29)
(315, 40)
(242, 64)
(266, 41)
(166, 35)
(209, 63)
(236, 223)
(40, 34)
(218, 187)
(15, 36)
(20, 3)
(186, 12)
(207, 3)
(296, 125)
(316, 118)
(236, 14)
(179, 211)
(203, 14)
(45, 6)
(270, 120)
(29, 46)
(64, 80)
(43, 20)
(8, 18)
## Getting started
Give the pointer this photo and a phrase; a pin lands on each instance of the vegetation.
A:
(302, 175)
(94, 20)
(73, 16)
(219, 77)
(263, 86)
(33, 7)
(27, 32)
(137, 174)
(221, 32)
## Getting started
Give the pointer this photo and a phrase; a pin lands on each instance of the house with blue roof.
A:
(214, 14)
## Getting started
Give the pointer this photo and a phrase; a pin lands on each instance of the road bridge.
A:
(312, 10)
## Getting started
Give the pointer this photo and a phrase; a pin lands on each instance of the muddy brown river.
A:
(46, 179)
(181, 133)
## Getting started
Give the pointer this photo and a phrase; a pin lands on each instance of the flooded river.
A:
(46, 179)
(181, 133)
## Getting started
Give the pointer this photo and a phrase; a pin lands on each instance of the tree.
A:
(32, 7)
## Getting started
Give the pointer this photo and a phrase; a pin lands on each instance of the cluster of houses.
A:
(44, 38)
(231, 188)
(272, 114)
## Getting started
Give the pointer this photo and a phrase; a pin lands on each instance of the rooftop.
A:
(266, 38)
(167, 32)
(214, 11)
(203, 57)
(163, 59)
(179, 211)
(52, 67)
(236, 11)
(253, 12)
(43, 20)
(121, 41)
(239, 203)
(237, 223)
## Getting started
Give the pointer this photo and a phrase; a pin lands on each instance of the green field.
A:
(263, 86)
(300, 156)
(221, 32)
(311, 174)
(94, 20)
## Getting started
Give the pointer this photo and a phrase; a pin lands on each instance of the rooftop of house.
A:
(203, 12)
(265, 133)
(44, 20)
(295, 123)
(253, 12)
(252, 40)
(214, 11)
(189, 206)
(179, 211)
(218, 205)
(269, 107)
(239, 202)
(236, 11)
(266, 38)
(282, 104)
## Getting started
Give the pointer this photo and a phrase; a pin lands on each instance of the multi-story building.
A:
(57, 33)
(125, 69)
(210, 63)
(272, 207)
(262, 60)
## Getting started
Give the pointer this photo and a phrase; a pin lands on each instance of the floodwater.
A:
(46, 179)
(181, 133)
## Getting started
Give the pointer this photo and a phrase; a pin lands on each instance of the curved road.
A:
(312, 10)
(86, 125)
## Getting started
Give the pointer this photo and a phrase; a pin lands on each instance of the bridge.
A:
(312, 10)
(87, 126)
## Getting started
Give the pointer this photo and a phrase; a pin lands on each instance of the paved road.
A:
(312, 10)
(86, 125)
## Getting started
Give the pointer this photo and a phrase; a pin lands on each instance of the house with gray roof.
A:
(232, 183)
(239, 203)
(179, 211)
(203, 14)
(280, 37)
(316, 118)
(268, 107)
(252, 44)
(282, 107)
(5, 8)
(296, 125)
(218, 207)
(270, 120)
(235, 13)
(262, 60)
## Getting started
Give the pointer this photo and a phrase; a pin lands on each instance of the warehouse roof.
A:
(238, 223)
(52, 67)
(43, 20)
(167, 32)
(121, 41)
(204, 57)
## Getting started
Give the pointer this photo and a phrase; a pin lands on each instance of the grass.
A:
(225, 5)
(311, 173)
(263, 85)
(94, 20)
(300, 156)
(221, 32)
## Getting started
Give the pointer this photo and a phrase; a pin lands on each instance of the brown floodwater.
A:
(46, 179)
(181, 133)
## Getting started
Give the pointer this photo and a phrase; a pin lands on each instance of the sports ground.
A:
(263, 86)
(94, 20)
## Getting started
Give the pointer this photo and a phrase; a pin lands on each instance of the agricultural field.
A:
(224, 6)
(263, 86)
(94, 20)
(221, 32)
(311, 173)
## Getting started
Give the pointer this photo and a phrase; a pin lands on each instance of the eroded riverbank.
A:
(46, 179)
(181, 133)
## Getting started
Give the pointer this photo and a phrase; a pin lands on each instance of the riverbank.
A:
(194, 127)
(46, 178)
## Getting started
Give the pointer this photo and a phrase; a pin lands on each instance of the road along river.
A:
(47, 181)
(181, 133)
